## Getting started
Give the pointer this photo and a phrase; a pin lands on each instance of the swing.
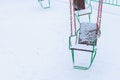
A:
(44, 3)
(82, 7)
(85, 39)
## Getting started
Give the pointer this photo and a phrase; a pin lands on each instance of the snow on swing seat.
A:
(85, 38)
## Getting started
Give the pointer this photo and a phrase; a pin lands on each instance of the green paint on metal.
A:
(44, 7)
(72, 51)
(113, 2)
(93, 53)
(84, 67)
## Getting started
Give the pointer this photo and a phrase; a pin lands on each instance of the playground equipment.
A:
(44, 3)
(111, 2)
(84, 38)
(82, 7)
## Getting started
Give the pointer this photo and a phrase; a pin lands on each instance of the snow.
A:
(34, 43)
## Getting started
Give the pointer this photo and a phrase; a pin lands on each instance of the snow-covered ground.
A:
(34, 43)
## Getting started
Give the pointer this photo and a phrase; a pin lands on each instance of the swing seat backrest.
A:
(79, 4)
(87, 34)
(82, 7)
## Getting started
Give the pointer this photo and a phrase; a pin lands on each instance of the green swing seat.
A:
(84, 40)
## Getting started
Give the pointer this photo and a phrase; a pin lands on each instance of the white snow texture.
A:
(34, 42)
